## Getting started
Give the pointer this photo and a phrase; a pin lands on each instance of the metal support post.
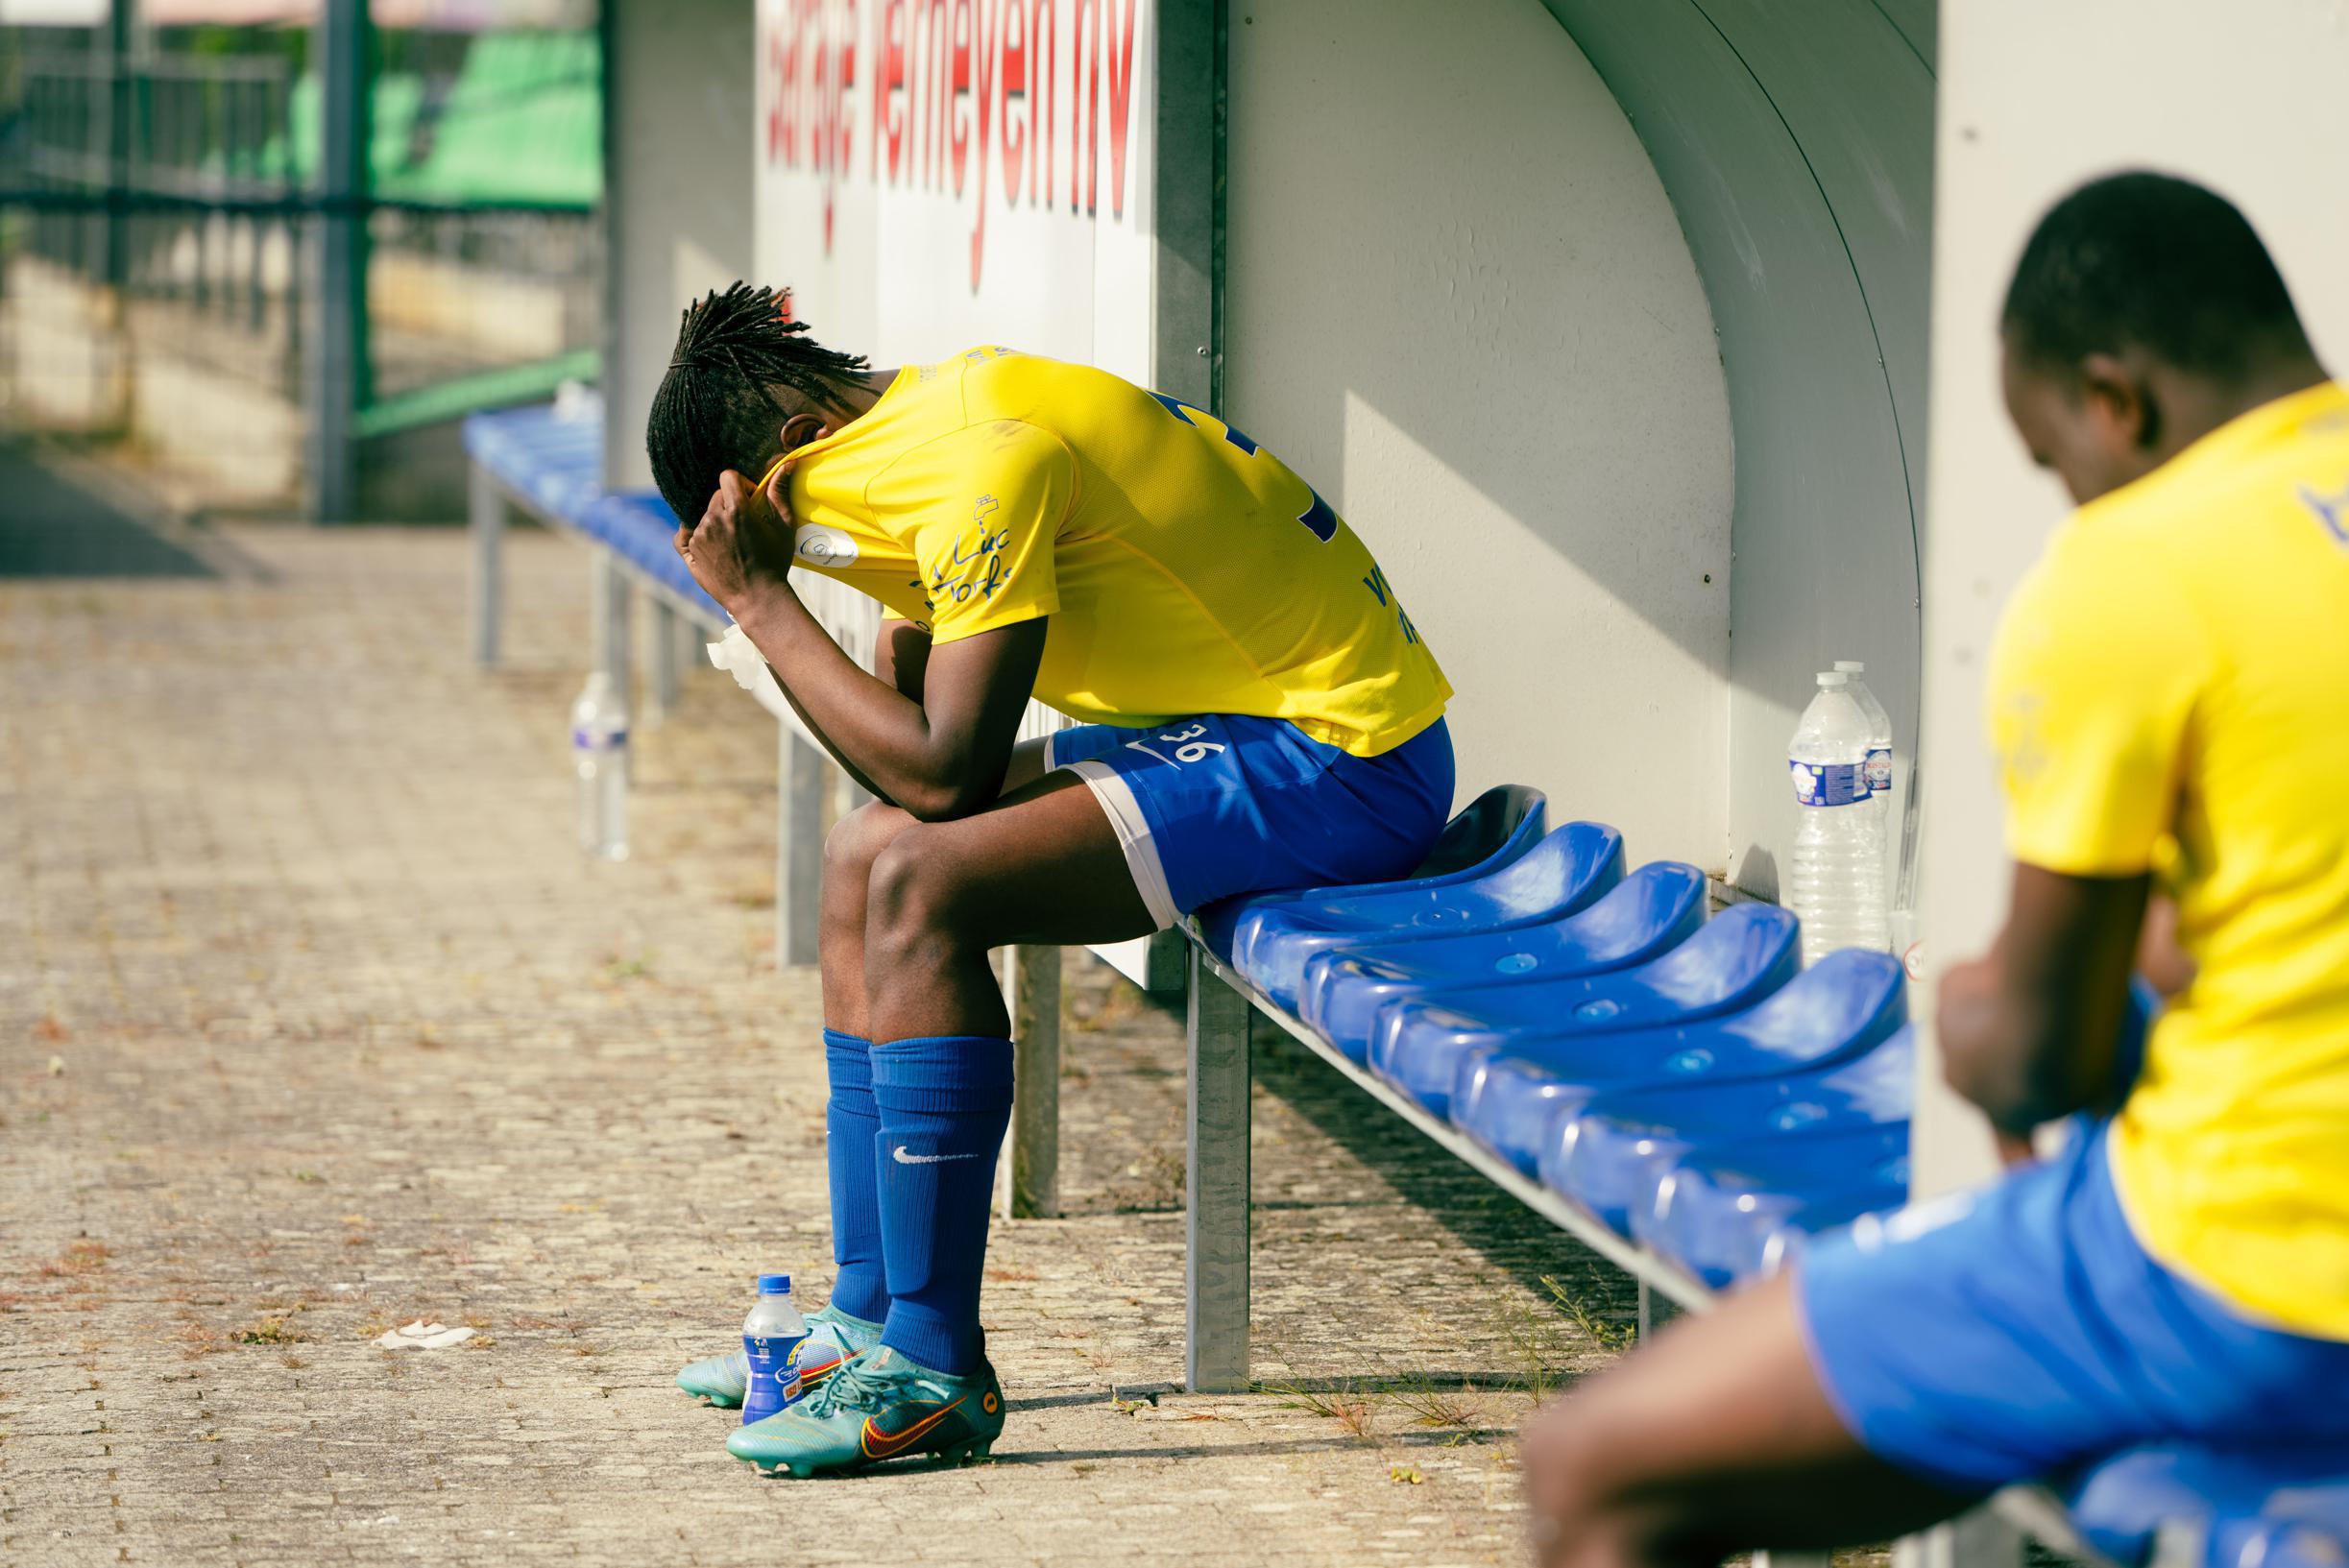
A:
(610, 603)
(661, 693)
(1033, 1192)
(1978, 1539)
(485, 515)
(803, 776)
(1656, 1309)
(1216, 1181)
(122, 23)
(335, 372)
(693, 645)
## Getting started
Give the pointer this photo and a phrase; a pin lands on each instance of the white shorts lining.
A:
(1134, 831)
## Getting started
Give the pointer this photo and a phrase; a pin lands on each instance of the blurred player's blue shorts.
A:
(1219, 804)
(1997, 1336)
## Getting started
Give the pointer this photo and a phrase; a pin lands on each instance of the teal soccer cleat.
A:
(873, 1407)
(721, 1379)
(833, 1337)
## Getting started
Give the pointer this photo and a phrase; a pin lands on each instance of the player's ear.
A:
(2121, 403)
(801, 428)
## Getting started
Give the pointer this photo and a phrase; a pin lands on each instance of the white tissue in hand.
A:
(737, 655)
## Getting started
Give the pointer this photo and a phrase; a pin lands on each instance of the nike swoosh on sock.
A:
(902, 1157)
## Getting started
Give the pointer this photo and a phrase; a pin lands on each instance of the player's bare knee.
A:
(1565, 1451)
(855, 841)
(915, 903)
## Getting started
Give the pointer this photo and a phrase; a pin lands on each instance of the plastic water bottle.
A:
(1879, 737)
(768, 1334)
(599, 753)
(1836, 883)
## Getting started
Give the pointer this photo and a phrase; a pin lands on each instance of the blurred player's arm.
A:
(2094, 681)
(2027, 1031)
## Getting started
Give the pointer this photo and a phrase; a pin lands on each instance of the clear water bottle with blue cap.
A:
(770, 1334)
(1835, 884)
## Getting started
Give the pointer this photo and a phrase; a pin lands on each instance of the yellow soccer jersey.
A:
(2170, 693)
(1185, 569)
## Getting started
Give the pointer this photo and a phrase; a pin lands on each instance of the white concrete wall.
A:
(1458, 301)
(679, 172)
(2035, 99)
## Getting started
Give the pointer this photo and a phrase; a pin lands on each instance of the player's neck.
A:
(2199, 407)
(860, 395)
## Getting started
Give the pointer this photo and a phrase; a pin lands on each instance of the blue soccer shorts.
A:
(1212, 806)
(1999, 1335)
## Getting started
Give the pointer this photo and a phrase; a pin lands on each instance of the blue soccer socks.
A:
(944, 1103)
(851, 1124)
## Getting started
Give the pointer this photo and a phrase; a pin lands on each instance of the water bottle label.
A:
(1879, 771)
(590, 741)
(1828, 784)
(773, 1384)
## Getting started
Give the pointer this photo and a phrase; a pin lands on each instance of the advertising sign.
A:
(936, 174)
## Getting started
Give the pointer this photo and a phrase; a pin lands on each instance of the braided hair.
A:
(717, 407)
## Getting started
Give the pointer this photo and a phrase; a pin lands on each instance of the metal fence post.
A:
(486, 521)
(661, 697)
(802, 772)
(1216, 1183)
(1033, 1192)
(335, 368)
(610, 603)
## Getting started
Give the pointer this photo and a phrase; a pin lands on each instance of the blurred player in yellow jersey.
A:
(1259, 712)
(2170, 700)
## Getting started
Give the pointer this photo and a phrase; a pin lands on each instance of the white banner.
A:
(934, 174)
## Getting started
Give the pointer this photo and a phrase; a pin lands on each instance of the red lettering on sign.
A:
(1046, 39)
(987, 30)
(889, 112)
(958, 91)
(1084, 98)
(1011, 87)
(949, 80)
(1121, 100)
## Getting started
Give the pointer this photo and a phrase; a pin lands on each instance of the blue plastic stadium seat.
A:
(1722, 1165)
(1498, 826)
(1592, 1029)
(639, 527)
(2280, 1507)
(1844, 1007)
(1648, 913)
(552, 460)
(1557, 877)
(1727, 1212)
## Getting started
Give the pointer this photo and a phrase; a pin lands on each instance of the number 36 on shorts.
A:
(1186, 744)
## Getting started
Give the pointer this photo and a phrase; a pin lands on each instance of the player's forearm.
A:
(2022, 1053)
(1996, 1051)
(877, 732)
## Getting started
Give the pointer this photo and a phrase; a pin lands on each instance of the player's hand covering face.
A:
(741, 548)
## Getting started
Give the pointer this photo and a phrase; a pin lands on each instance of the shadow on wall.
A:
(1466, 306)
(1461, 305)
(1796, 138)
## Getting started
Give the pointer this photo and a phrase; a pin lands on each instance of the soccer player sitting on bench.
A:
(2170, 699)
(1259, 713)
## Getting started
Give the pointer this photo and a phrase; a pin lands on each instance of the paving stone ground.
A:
(313, 1022)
